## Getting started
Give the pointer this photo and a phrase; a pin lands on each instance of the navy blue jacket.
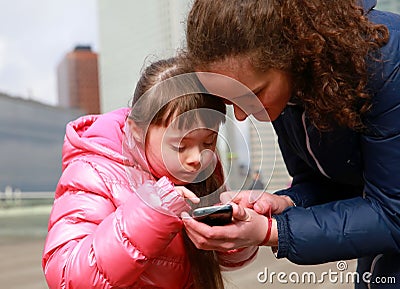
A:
(346, 184)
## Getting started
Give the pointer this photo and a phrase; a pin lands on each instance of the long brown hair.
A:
(157, 101)
(325, 45)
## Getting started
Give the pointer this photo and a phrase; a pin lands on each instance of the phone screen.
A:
(214, 215)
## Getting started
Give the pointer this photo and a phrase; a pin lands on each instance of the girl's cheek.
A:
(174, 163)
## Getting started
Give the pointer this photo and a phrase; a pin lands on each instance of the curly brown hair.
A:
(325, 45)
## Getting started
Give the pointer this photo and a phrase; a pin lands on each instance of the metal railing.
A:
(15, 198)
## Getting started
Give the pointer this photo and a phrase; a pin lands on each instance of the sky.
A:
(35, 35)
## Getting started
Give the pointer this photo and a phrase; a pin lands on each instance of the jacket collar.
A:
(368, 5)
(133, 151)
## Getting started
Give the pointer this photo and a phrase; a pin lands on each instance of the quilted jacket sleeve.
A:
(93, 244)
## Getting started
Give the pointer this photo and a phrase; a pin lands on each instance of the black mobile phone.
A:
(214, 215)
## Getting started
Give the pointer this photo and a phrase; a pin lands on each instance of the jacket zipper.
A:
(303, 118)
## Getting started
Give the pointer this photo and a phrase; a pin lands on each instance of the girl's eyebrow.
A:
(180, 138)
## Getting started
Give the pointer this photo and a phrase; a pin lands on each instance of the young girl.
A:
(115, 220)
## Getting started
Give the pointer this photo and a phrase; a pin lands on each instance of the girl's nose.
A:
(193, 159)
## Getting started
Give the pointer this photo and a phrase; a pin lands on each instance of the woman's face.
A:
(272, 88)
(180, 154)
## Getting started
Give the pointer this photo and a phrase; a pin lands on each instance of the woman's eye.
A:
(208, 144)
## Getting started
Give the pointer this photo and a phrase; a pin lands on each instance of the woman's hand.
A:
(247, 229)
(262, 202)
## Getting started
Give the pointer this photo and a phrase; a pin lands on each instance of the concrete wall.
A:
(31, 138)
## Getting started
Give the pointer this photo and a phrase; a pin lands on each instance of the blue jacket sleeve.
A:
(348, 228)
(339, 230)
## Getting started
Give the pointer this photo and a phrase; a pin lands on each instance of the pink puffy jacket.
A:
(101, 233)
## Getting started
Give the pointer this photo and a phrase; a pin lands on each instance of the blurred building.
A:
(78, 80)
(266, 156)
(132, 34)
(31, 138)
(389, 5)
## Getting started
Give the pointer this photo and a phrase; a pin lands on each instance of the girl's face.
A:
(180, 154)
(272, 88)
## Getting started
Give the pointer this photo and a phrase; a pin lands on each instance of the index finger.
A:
(255, 195)
(186, 193)
(244, 198)
(230, 196)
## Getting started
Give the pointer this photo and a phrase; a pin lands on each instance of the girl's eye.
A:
(210, 142)
(178, 149)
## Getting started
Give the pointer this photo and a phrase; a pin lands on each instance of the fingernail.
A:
(185, 215)
(195, 200)
(259, 208)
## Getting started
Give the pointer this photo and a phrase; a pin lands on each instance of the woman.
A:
(327, 73)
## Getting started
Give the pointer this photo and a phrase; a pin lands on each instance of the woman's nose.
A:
(239, 113)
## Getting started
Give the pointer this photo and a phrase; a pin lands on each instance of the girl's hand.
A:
(187, 194)
(261, 202)
(248, 229)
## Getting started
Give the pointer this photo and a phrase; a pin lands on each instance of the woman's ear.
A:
(135, 131)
